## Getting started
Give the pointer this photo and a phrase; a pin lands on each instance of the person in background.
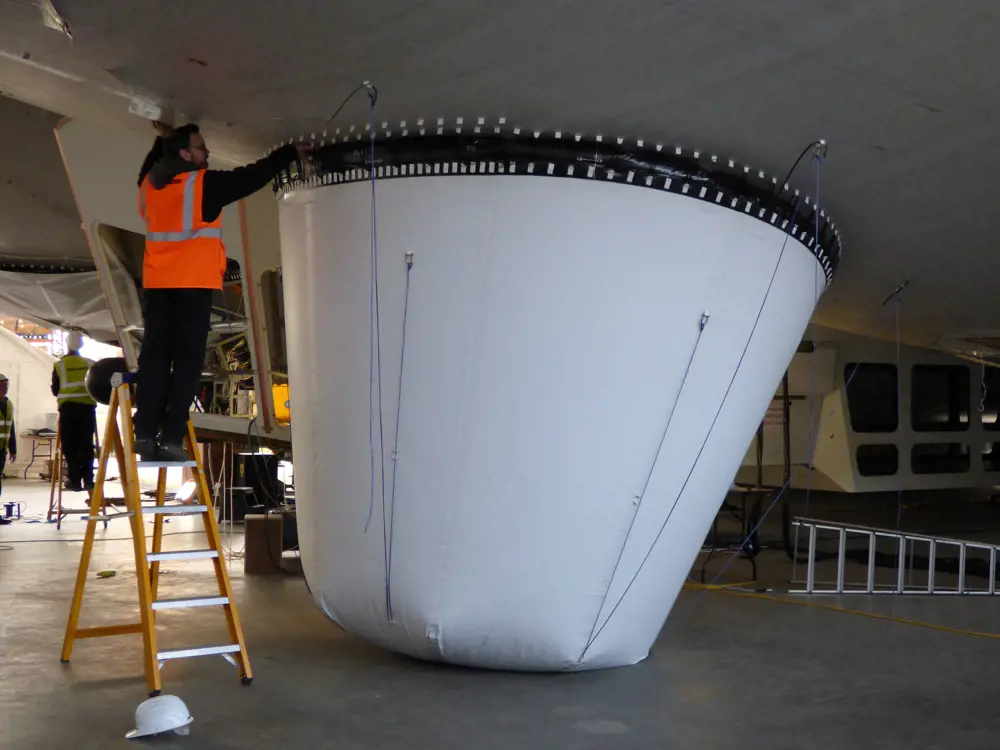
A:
(8, 433)
(181, 202)
(77, 415)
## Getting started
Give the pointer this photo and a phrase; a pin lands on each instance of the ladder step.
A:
(187, 653)
(194, 554)
(111, 516)
(197, 601)
(175, 509)
(166, 464)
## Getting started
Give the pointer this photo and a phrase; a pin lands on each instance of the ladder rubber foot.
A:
(64, 661)
(155, 693)
(246, 680)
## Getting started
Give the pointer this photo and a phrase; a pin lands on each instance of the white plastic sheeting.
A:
(548, 330)
(30, 372)
(67, 300)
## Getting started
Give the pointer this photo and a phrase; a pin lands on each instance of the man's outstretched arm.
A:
(224, 187)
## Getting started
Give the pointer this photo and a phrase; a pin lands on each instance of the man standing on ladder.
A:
(181, 202)
(8, 434)
(77, 415)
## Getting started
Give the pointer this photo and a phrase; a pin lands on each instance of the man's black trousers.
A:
(171, 360)
(77, 425)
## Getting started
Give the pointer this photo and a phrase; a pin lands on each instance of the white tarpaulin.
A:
(30, 372)
(67, 300)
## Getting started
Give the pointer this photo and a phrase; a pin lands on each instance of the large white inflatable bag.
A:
(512, 460)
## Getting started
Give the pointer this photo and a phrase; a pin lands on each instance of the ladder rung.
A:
(187, 653)
(166, 464)
(194, 554)
(197, 601)
(174, 509)
(101, 631)
(111, 516)
(72, 511)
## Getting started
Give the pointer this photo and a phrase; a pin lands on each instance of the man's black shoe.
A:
(146, 449)
(173, 452)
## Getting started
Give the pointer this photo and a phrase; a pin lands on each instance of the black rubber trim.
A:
(695, 175)
(44, 266)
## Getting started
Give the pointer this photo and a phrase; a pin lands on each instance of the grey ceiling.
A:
(903, 90)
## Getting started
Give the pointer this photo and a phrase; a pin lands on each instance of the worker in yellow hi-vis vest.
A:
(8, 436)
(77, 415)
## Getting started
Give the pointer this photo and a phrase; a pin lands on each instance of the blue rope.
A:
(395, 447)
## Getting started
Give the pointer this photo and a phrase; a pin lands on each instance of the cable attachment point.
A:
(409, 261)
(896, 293)
(372, 96)
(819, 149)
(704, 321)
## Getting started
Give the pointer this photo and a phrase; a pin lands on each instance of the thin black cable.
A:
(813, 436)
(813, 441)
(395, 445)
(371, 395)
(818, 145)
(703, 321)
(372, 95)
(899, 419)
(694, 464)
(375, 321)
(812, 388)
(374, 337)
(786, 455)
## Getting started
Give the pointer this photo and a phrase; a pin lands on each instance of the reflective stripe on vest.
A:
(6, 421)
(72, 371)
(188, 232)
(182, 249)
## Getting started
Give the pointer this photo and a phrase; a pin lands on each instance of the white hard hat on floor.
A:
(164, 713)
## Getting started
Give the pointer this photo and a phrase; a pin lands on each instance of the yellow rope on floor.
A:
(726, 589)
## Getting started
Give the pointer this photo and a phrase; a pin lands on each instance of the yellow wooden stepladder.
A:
(118, 441)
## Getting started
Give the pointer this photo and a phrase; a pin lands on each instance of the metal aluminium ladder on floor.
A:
(118, 441)
(903, 561)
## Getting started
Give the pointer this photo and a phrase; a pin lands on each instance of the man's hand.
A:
(13, 458)
(304, 149)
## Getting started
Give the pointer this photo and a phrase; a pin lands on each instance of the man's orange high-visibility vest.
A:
(182, 250)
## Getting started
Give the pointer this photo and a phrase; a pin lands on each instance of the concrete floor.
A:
(727, 672)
